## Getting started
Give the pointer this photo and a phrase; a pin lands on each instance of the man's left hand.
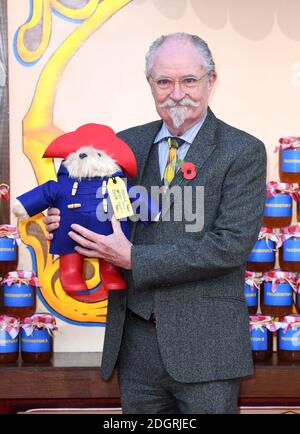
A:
(114, 248)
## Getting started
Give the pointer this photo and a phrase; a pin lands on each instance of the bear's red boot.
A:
(72, 280)
(111, 276)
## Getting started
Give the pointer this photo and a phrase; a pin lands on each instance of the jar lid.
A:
(290, 142)
(290, 232)
(265, 230)
(253, 274)
(260, 318)
(20, 277)
(279, 274)
(10, 325)
(253, 279)
(9, 231)
(260, 321)
(37, 321)
(290, 318)
(288, 322)
(4, 191)
(268, 234)
(275, 187)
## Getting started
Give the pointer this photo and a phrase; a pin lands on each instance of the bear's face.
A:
(88, 162)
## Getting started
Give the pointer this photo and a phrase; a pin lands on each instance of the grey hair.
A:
(199, 43)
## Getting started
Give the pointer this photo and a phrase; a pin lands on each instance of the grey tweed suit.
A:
(194, 281)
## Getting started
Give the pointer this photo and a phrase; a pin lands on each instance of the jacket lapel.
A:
(144, 144)
(199, 151)
(141, 147)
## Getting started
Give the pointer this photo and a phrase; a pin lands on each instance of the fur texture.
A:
(96, 163)
(19, 210)
(87, 162)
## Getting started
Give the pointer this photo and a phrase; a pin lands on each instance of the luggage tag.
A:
(119, 198)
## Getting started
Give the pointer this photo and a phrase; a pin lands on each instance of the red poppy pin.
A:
(189, 170)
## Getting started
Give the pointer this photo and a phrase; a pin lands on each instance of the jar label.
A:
(251, 295)
(7, 343)
(8, 249)
(262, 252)
(259, 339)
(283, 296)
(38, 342)
(290, 161)
(291, 250)
(18, 296)
(278, 206)
(289, 339)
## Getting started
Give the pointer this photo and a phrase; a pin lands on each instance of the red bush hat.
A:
(100, 137)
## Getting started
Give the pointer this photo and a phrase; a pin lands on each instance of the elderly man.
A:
(179, 335)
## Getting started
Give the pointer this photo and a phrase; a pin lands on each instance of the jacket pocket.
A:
(230, 298)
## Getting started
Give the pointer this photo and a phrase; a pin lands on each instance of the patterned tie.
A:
(173, 161)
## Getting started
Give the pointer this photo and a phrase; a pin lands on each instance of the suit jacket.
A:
(197, 278)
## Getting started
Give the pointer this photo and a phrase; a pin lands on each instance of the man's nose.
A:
(177, 94)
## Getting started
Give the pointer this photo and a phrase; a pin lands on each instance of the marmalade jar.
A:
(262, 257)
(289, 159)
(251, 289)
(4, 191)
(4, 204)
(9, 240)
(37, 338)
(261, 337)
(288, 339)
(277, 293)
(297, 303)
(9, 339)
(19, 293)
(289, 252)
(278, 205)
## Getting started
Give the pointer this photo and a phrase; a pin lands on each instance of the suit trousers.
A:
(147, 388)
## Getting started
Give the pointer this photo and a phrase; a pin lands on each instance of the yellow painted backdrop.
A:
(256, 46)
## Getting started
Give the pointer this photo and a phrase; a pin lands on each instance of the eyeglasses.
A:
(187, 83)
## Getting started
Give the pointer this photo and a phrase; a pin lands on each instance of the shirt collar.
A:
(188, 136)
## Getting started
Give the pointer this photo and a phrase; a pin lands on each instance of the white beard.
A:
(178, 110)
(178, 115)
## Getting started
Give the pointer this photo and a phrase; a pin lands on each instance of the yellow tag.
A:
(118, 195)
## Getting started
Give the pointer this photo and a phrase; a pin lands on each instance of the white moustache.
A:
(185, 102)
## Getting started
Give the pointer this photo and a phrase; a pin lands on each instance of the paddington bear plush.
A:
(93, 156)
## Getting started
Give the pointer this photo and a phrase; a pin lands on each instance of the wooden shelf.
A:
(273, 382)
(73, 379)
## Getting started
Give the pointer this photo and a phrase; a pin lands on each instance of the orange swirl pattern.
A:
(32, 40)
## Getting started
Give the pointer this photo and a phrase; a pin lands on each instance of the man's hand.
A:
(52, 221)
(114, 248)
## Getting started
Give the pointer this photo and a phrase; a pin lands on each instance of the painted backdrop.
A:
(78, 61)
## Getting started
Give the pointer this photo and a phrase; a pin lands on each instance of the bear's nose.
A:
(81, 156)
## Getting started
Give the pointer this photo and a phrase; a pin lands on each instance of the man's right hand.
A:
(52, 220)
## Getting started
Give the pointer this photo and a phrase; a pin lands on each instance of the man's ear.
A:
(149, 82)
(212, 79)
